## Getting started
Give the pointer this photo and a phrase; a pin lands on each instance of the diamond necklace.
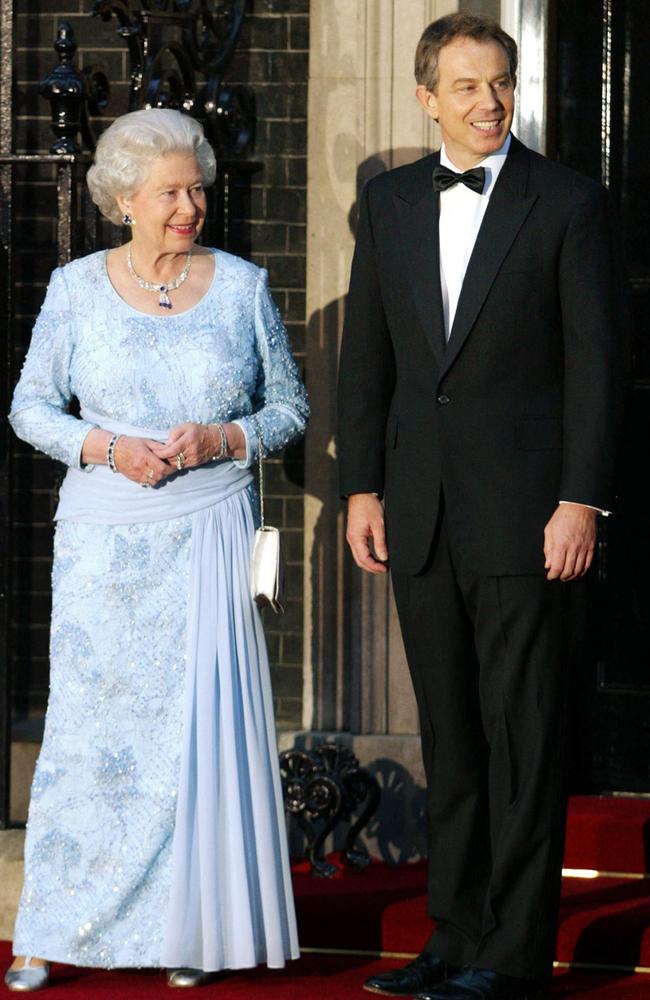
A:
(152, 286)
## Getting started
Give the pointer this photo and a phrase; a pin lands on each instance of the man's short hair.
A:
(461, 25)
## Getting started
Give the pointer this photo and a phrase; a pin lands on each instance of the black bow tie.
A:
(444, 178)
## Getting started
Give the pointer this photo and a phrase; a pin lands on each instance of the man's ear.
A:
(428, 101)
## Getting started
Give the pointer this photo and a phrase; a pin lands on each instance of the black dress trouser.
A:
(488, 660)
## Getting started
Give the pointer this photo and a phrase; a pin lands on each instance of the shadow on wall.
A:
(398, 830)
(337, 632)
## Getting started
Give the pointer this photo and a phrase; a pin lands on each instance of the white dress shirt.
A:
(461, 215)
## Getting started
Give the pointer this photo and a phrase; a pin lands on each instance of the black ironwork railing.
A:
(178, 52)
(323, 788)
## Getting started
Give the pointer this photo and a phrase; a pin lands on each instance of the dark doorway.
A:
(601, 127)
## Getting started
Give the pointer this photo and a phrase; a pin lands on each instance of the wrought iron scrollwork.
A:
(210, 27)
(234, 118)
(323, 787)
(178, 51)
(215, 31)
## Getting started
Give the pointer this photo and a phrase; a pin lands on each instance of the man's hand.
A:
(569, 541)
(366, 522)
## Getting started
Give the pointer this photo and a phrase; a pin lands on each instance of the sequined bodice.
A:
(225, 358)
(157, 371)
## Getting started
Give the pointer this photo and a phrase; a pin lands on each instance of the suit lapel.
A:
(504, 217)
(418, 209)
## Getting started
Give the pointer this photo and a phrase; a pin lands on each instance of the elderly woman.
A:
(156, 831)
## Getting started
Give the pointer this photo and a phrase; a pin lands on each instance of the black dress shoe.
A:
(482, 984)
(423, 972)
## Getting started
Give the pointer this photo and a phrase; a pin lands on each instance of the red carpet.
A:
(604, 922)
(314, 977)
(608, 833)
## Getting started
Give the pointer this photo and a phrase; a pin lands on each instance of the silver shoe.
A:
(187, 977)
(29, 978)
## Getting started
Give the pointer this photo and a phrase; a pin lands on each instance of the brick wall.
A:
(272, 59)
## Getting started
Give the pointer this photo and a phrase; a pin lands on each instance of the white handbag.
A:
(267, 562)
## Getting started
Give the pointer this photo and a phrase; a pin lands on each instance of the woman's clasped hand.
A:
(136, 459)
(148, 462)
(200, 443)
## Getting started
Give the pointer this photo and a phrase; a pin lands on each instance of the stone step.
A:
(11, 879)
(23, 758)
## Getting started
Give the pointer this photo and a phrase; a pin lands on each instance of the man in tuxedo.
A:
(480, 397)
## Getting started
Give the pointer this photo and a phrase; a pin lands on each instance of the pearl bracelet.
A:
(110, 453)
(223, 444)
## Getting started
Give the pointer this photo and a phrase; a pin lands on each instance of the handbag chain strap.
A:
(260, 466)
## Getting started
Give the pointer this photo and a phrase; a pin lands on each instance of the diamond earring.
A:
(127, 220)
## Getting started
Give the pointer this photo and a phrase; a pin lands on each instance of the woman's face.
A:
(169, 208)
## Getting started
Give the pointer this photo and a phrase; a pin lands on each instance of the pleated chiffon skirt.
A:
(156, 833)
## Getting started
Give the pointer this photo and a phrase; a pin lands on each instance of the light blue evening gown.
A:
(115, 830)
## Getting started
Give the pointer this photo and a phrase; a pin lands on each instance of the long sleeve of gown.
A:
(38, 412)
(280, 404)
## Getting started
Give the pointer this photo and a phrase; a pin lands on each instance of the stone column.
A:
(363, 118)
(528, 23)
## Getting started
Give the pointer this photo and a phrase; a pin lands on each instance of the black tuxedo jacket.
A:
(522, 407)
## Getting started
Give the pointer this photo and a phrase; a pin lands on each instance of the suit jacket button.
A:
(443, 400)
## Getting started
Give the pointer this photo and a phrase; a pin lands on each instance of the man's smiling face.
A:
(474, 100)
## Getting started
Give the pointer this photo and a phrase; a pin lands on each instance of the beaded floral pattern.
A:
(98, 850)
(224, 359)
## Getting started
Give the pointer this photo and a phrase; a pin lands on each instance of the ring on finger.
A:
(180, 460)
(150, 474)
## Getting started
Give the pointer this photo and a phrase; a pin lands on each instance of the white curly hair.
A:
(126, 150)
